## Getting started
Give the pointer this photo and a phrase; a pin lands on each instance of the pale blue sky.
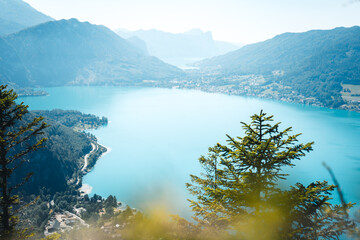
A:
(244, 21)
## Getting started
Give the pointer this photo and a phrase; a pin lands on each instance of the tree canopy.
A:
(17, 139)
(239, 188)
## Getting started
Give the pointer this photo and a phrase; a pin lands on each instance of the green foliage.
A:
(58, 163)
(238, 197)
(15, 145)
(74, 119)
(95, 156)
(37, 214)
(110, 203)
(60, 160)
(54, 236)
(308, 214)
(93, 206)
(239, 188)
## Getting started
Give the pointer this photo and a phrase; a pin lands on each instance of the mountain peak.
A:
(74, 52)
(16, 15)
(190, 45)
(195, 32)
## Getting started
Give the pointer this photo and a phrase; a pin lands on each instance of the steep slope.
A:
(8, 27)
(11, 66)
(59, 162)
(314, 63)
(71, 52)
(16, 15)
(137, 42)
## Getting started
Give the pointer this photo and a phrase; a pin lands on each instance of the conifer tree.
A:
(17, 139)
(239, 188)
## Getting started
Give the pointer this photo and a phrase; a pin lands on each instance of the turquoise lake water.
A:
(156, 136)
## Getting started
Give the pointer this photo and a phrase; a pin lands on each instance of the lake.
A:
(155, 137)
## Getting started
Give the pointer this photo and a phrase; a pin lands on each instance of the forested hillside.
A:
(313, 64)
(69, 52)
(57, 165)
(73, 119)
(11, 67)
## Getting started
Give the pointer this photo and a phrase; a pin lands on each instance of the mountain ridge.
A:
(57, 162)
(11, 66)
(16, 15)
(69, 52)
(313, 64)
(194, 43)
(277, 42)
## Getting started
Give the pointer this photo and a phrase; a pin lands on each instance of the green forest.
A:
(312, 65)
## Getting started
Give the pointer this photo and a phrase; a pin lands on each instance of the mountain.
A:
(16, 15)
(11, 67)
(194, 44)
(68, 52)
(313, 64)
(137, 42)
(58, 164)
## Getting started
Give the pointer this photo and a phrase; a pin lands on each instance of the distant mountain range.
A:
(69, 52)
(16, 15)
(194, 44)
(313, 64)
(318, 67)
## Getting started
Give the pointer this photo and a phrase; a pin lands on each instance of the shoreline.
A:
(280, 99)
(108, 150)
(86, 188)
(205, 88)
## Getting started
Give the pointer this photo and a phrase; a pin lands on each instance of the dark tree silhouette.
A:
(17, 139)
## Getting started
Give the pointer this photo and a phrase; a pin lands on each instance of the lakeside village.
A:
(86, 210)
(253, 85)
(74, 209)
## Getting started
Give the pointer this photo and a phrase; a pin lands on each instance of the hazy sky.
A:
(244, 21)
